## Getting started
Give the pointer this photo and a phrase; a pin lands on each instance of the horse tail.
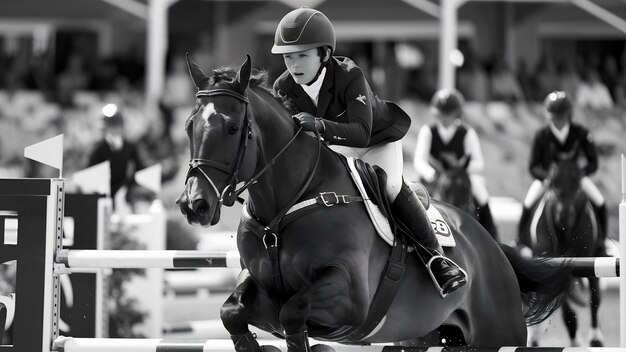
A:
(544, 286)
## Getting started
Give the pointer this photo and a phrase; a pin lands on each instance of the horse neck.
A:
(289, 173)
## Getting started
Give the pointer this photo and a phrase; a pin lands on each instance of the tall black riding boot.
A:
(446, 274)
(523, 219)
(603, 223)
(485, 218)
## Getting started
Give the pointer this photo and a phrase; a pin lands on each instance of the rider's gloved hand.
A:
(428, 174)
(309, 122)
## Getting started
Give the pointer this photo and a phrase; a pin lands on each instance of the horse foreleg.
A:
(249, 304)
(571, 323)
(596, 338)
(326, 302)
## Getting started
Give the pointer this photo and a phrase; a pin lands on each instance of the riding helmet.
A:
(111, 115)
(303, 29)
(558, 103)
(447, 101)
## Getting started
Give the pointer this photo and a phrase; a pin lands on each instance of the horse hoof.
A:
(270, 348)
(322, 348)
(596, 343)
(534, 343)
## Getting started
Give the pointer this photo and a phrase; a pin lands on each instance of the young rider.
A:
(562, 136)
(334, 98)
(451, 136)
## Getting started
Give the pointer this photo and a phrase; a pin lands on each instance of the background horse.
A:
(564, 224)
(314, 269)
(453, 186)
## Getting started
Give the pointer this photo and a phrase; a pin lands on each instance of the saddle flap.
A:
(380, 221)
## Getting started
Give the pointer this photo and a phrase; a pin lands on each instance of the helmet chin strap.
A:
(319, 71)
(317, 75)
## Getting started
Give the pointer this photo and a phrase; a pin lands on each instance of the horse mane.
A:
(259, 81)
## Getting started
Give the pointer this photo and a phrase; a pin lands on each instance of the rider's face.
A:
(445, 119)
(303, 65)
(559, 121)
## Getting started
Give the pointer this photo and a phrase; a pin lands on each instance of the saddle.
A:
(371, 182)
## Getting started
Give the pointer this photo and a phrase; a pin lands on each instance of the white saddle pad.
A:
(381, 223)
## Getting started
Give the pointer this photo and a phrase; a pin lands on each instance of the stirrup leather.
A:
(432, 276)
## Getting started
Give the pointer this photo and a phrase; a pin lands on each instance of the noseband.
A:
(229, 194)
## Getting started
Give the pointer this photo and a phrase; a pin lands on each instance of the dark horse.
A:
(315, 271)
(563, 223)
(453, 186)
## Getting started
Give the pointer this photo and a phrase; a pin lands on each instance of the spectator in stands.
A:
(547, 78)
(525, 78)
(204, 54)
(569, 77)
(117, 149)
(473, 81)
(504, 84)
(72, 79)
(592, 93)
(620, 89)
(178, 93)
(610, 74)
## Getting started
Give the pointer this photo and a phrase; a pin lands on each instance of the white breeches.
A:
(537, 188)
(479, 189)
(388, 156)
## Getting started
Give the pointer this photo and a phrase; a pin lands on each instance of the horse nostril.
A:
(200, 206)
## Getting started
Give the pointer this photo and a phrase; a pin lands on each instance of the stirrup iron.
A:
(432, 276)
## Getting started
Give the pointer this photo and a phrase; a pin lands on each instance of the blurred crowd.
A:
(41, 97)
(596, 82)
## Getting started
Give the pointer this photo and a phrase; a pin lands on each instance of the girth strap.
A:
(326, 199)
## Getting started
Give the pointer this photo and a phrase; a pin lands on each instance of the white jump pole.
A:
(622, 251)
(141, 259)
(156, 345)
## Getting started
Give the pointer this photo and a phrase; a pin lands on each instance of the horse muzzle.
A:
(199, 210)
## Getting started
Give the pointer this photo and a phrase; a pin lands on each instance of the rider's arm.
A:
(422, 154)
(589, 148)
(357, 131)
(472, 147)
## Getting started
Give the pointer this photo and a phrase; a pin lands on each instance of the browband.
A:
(222, 91)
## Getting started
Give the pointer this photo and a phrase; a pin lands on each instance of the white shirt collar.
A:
(446, 133)
(115, 141)
(560, 135)
(313, 90)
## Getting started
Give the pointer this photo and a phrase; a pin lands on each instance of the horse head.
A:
(453, 183)
(565, 201)
(219, 131)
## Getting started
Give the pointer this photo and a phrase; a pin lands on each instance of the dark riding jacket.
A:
(546, 149)
(353, 114)
(121, 162)
(456, 145)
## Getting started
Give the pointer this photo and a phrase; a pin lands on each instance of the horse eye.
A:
(233, 129)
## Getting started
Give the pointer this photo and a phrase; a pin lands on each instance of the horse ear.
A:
(243, 76)
(198, 76)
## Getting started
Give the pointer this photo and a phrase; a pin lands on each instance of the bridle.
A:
(230, 193)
